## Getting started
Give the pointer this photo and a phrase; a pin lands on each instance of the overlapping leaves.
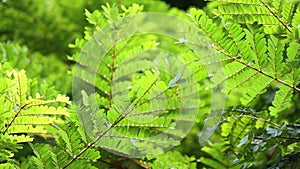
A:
(256, 60)
(141, 90)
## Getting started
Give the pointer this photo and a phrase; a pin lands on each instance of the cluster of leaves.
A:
(123, 72)
(48, 26)
(24, 114)
(256, 42)
(37, 65)
(49, 19)
(32, 110)
(67, 144)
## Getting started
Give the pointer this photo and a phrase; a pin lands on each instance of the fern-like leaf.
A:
(281, 101)
(274, 15)
(21, 113)
(256, 60)
(217, 152)
(132, 93)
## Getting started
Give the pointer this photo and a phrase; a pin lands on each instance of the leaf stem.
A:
(118, 119)
(276, 16)
(14, 118)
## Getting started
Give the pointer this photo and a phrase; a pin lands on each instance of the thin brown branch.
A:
(118, 119)
(248, 64)
(276, 16)
(14, 118)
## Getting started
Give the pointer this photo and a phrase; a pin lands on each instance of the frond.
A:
(259, 87)
(9, 146)
(44, 156)
(73, 143)
(218, 156)
(18, 57)
(23, 116)
(256, 60)
(295, 23)
(243, 137)
(172, 159)
(142, 98)
(55, 157)
(282, 99)
(21, 113)
(275, 16)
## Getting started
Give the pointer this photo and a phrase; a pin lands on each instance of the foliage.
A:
(256, 42)
(259, 47)
(37, 67)
(114, 125)
(23, 114)
(48, 26)
(171, 159)
(49, 18)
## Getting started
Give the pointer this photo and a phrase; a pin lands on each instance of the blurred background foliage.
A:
(48, 26)
(41, 30)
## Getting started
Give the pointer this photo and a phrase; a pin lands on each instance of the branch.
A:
(276, 16)
(120, 118)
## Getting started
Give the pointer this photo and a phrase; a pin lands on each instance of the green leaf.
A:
(44, 156)
(217, 152)
(243, 141)
(282, 99)
(275, 49)
(259, 87)
(274, 15)
(258, 44)
(293, 51)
